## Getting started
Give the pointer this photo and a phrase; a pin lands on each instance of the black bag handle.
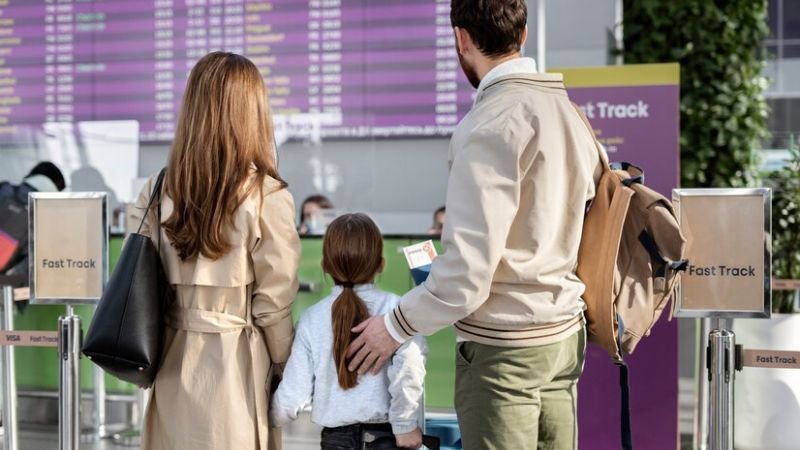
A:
(156, 194)
(431, 442)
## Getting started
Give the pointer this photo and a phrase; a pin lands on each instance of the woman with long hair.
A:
(231, 252)
(386, 406)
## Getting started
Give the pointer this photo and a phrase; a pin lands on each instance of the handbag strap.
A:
(155, 195)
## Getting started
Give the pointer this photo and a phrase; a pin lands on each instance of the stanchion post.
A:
(701, 399)
(133, 436)
(10, 436)
(99, 399)
(142, 397)
(721, 373)
(69, 395)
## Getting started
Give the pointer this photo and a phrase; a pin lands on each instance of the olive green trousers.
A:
(524, 398)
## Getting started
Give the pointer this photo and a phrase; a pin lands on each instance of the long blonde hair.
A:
(224, 138)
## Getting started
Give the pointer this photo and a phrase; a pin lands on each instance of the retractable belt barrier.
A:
(774, 359)
(786, 285)
(21, 294)
(724, 357)
(9, 338)
(28, 338)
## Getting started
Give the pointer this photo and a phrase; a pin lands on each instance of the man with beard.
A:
(523, 166)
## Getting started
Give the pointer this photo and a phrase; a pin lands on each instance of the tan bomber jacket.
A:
(522, 168)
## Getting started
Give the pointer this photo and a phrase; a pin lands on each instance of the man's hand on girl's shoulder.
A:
(372, 348)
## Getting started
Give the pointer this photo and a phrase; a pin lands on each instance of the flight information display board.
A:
(346, 68)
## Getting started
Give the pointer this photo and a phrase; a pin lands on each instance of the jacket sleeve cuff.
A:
(279, 338)
(404, 426)
(398, 326)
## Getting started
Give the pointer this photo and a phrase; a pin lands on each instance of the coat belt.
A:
(203, 321)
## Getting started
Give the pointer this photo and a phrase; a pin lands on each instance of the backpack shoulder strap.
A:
(16, 192)
(597, 259)
(21, 191)
(598, 146)
(606, 257)
(649, 197)
(625, 407)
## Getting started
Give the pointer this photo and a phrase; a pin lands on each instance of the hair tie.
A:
(347, 285)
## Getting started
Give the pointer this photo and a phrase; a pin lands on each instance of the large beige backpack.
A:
(630, 258)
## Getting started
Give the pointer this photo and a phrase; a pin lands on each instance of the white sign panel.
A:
(728, 236)
(68, 247)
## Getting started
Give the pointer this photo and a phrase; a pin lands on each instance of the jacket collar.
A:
(552, 81)
(514, 66)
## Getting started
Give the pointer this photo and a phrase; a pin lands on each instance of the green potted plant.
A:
(767, 407)
(785, 184)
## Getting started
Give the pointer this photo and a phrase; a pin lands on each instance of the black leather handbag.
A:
(126, 335)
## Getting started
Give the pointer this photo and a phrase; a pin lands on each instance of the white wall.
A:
(401, 181)
(576, 32)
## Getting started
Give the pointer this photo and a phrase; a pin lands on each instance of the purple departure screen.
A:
(349, 68)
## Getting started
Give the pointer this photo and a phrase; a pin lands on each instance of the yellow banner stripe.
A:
(628, 75)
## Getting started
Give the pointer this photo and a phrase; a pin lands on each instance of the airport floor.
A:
(301, 435)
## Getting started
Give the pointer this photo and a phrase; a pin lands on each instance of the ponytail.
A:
(352, 253)
(348, 311)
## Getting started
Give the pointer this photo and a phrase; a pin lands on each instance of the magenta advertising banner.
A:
(634, 111)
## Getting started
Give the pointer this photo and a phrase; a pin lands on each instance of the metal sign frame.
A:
(766, 195)
(103, 233)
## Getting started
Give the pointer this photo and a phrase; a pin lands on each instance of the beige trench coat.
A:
(230, 322)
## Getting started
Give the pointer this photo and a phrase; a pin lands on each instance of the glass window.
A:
(791, 19)
(783, 122)
(791, 49)
(772, 18)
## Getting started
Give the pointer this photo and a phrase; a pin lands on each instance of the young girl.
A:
(369, 412)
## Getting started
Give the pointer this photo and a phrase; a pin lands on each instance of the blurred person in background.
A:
(438, 221)
(310, 214)
(44, 177)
